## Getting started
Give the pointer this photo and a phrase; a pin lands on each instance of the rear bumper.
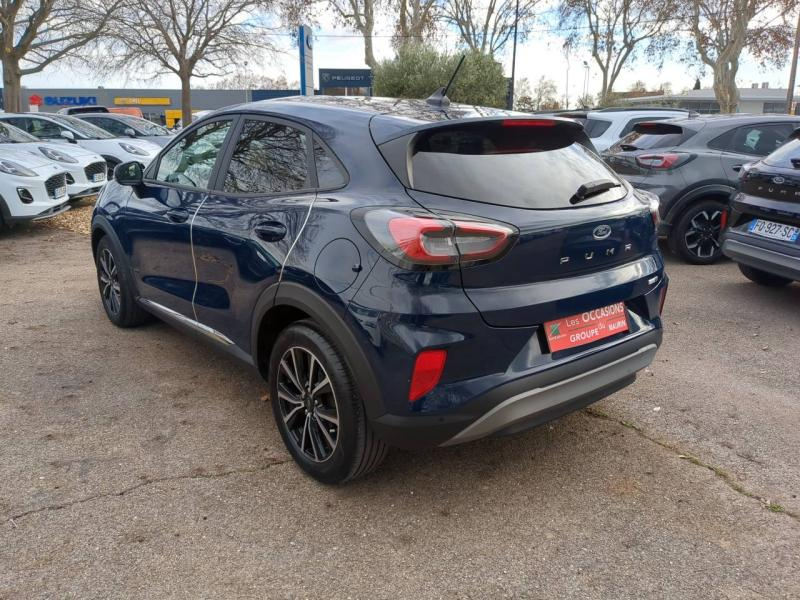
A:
(529, 400)
(773, 259)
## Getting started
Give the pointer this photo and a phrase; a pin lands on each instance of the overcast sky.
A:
(540, 55)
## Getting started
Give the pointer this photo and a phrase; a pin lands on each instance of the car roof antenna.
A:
(439, 97)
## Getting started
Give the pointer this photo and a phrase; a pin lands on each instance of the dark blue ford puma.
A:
(402, 273)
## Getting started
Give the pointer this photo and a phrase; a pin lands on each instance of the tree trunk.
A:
(369, 55)
(186, 99)
(12, 85)
(725, 86)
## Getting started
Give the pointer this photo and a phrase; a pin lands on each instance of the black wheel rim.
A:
(702, 235)
(307, 404)
(109, 282)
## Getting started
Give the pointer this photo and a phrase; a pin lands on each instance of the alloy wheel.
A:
(307, 404)
(109, 282)
(702, 235)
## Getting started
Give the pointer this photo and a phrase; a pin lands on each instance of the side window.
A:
(269, 158)
(629, 127)
(329, 173)
(191, 160)
(20, 123)
(45, 129)
(110, 125)
(759, 139)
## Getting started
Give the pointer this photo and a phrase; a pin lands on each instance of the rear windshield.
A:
(782, 157)
(596, 127)
(645, 141)
(522, 167)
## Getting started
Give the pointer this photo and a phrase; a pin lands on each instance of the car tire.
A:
(324, 426)
(763, 278)
(695, 236)
(116, 288)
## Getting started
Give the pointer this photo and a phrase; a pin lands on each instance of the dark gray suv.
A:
(693, 165)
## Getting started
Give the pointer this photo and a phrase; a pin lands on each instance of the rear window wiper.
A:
(592, 188)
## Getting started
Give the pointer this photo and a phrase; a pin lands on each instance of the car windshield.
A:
(85, 129)
(143, 125)
(11, 135)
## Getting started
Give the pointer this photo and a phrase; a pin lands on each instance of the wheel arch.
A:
(286, 303)
(715, 191)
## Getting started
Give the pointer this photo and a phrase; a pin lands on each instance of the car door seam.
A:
(296, 238)
(194, 260)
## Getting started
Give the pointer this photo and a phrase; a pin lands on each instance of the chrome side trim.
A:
(297, 237)
(183, 320)
(526, 404)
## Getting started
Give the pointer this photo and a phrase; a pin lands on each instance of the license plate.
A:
(775, 231)
(98, 177)
(586, 327)
(61, 191)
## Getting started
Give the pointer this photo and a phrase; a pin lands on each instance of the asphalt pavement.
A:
(144, 464)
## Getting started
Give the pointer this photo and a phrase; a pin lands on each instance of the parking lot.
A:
(142, 463)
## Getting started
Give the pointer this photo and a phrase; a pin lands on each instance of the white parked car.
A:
(32, 187)
(86, 171)
(69, 129)
(606, 126)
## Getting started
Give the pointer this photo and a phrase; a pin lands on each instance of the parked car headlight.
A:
(53, 154)
(130, 148)
(12, 168)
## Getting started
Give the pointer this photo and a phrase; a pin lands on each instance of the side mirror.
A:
(129, 173)
(130, 132)
(69, 136)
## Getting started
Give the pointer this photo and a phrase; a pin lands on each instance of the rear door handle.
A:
(177, 215)
(270, 231)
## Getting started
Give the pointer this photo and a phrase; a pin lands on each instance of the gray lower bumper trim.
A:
(761, 258)
(524, 405)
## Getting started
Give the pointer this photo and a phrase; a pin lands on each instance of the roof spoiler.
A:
(567, 129)
(657, 128)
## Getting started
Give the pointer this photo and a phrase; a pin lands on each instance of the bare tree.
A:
(722, 29)
(190, 38)
(38, 33)
(486, 28)
(358, 15)
(416, 20)
(614, 30)
(545, 94)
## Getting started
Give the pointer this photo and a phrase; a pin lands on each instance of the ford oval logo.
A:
(778, 180)
(601, 232)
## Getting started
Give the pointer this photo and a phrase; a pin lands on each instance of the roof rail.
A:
(632, 108)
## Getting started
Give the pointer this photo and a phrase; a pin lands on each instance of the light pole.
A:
(514, 57)
(793, 74)
(566, 85)
(585, 79)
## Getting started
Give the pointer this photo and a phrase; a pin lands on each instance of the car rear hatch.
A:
(580, 229)
(651, 146)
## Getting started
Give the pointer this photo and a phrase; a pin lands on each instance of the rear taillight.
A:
(427, 371)
(415, 239)
(667, 160)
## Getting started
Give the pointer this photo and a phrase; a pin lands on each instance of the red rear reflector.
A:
(427, 371)
(723, 219)
(529, 123)
(662, 299)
